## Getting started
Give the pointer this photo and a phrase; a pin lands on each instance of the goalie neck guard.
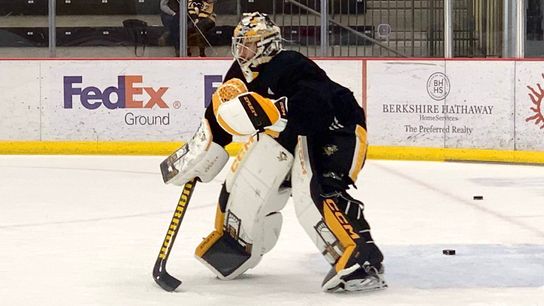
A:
(259, 38)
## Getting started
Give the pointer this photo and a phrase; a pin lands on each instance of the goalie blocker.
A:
(199, 158)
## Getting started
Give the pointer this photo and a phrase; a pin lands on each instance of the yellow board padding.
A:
(87, 148)
(451, 154)
(96, 148)
(166, 148)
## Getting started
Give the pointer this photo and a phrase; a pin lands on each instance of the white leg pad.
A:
(306, 210)
(255, 197)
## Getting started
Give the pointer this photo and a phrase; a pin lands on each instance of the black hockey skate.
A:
(358, 277)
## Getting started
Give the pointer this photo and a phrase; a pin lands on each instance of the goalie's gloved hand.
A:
(250, 113)
(279, 126)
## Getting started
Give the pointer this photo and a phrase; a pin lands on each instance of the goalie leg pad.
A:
(308, 213)
(222, 253)
(336, 225)
(248, 222)
(272, 228)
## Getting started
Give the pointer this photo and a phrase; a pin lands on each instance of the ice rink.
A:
(86, 230)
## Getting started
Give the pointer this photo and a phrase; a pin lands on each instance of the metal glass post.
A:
(509, 26)
(505, 29)
(324, 27)
(183, 28)
(52, 30)
(520, 28)
(274, 10)
(448, 28)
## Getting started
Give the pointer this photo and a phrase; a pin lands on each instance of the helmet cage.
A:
(259, 29)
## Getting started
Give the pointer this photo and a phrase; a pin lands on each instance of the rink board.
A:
(436, 104)
(428, 109)
(119, 100)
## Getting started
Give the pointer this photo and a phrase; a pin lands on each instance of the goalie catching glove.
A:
(250, 113)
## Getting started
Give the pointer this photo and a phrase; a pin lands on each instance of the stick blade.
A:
(163, 279)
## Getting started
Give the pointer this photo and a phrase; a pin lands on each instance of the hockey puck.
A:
(478, 197)
(448, 252)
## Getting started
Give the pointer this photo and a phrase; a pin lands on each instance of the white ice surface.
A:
(82, 230)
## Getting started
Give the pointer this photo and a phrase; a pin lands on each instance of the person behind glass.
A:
(200, 14)
(170, 19)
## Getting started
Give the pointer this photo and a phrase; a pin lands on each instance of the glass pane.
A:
(534, 43)
(478, 28)
(141, 28)
(209, 25)
(465, 41)
(216, 39)
(371, 28)
(300, 29)
(108, 28)
(23, 28)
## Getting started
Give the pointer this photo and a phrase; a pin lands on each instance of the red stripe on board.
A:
(533, 59)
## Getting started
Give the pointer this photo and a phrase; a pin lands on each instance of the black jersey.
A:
(314, 100)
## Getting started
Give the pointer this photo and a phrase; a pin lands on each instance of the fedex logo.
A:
(126, 91)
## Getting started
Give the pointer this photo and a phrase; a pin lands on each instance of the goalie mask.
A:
(255, 41)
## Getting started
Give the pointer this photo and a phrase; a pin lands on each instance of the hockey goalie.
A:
(307, 139)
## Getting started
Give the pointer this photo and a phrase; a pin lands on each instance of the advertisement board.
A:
(20, 100)
(449, 104)
(479, 107)
(126, 100)
(529, 105)
(400, 107)
(438, 104)
(120, 100)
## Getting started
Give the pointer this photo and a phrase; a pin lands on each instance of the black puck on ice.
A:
(448, 252)
(478, 197)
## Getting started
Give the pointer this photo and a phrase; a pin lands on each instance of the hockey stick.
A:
(161, 277)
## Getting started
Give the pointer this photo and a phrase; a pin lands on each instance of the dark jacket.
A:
(314, 100)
